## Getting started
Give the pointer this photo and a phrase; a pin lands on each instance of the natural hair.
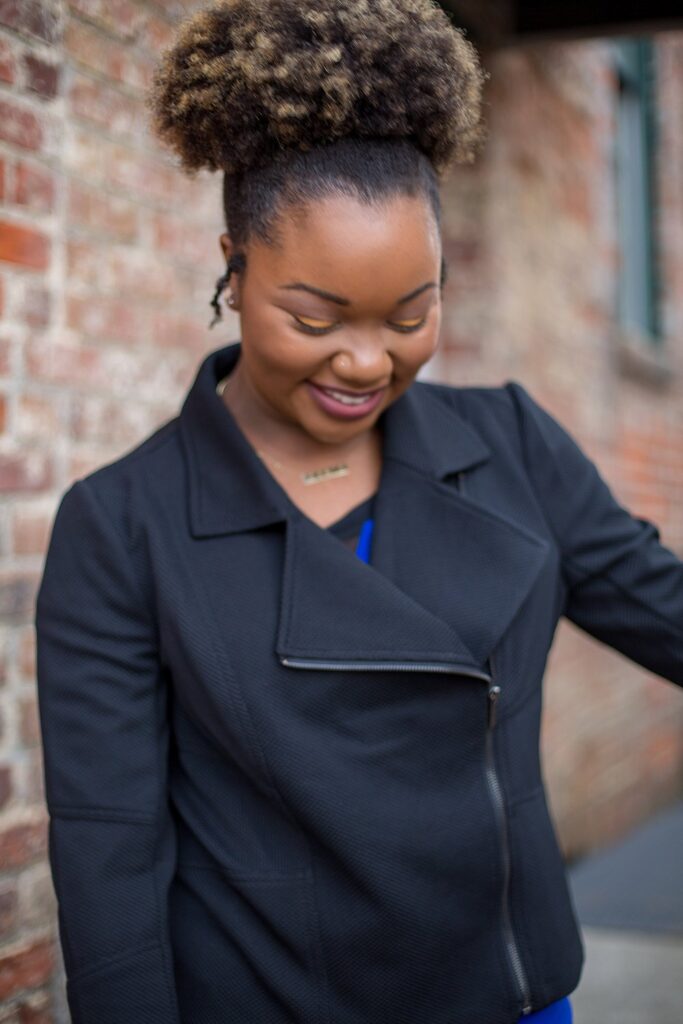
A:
(296, 100)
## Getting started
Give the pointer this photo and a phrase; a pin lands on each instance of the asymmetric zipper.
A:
(382, 666)
(499, 806)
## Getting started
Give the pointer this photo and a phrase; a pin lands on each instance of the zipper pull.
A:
(493, 693)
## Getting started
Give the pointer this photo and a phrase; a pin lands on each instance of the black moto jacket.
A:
(289, 787)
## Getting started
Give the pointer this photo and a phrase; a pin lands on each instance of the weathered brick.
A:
(37, 419)
(30, 530)
(106, 106)
(25, 471)
(36, 306)
(106, 319)
(122, 169)
(34, 187)
(8, 68)
(111, 216)
(5, 797)
(23, 844)
(39, 18)
(19, 126)
(36, 1008)
(9, 907)
(26, 665)
(118, 17)
(24, 246)
(107, 57)
(75, 366)
(29, 726)
(40, 76)
(26, 967)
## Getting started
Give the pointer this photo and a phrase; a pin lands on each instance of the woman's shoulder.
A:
(498, 412)
(145, 478)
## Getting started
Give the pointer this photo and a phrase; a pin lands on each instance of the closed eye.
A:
(311, 326)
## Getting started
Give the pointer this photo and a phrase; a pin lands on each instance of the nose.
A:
(363, 365)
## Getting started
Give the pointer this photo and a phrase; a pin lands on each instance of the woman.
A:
(291, 761)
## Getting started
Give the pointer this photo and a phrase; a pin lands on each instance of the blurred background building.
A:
(565, 251)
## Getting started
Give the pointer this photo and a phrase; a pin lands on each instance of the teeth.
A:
(347, 399)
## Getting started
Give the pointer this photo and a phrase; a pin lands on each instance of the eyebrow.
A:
(300, 286)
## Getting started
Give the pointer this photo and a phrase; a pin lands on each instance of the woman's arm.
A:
(624, 587)
(102, 703)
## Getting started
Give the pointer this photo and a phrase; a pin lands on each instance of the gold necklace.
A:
(312, 476)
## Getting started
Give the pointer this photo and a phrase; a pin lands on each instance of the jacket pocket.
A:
(541, 902)
(245, 947)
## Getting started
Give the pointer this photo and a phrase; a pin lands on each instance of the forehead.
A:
(347, 246)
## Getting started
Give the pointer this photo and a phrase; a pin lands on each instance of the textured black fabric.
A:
(267, 763)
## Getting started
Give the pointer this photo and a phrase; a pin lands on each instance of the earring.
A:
(231, 300)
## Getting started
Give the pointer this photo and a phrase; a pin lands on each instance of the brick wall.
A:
(531, 235)
(108, 257)
(107, 262)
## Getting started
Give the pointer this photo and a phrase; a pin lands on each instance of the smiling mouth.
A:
(347, 397)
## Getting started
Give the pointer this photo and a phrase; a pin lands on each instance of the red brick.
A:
(186, 243)
(34, 186)
(26, 663)
(120, 17)
(3, 414)
(31, 17)
(41, 77)
(2, 179)
(120, 270)
(36, 1009)
(106, 106)
(26, 968)
(25, 471)
(124, 169)
(109, 215)
(30, 533)
(9, 908)
(7, 62)
(107, 57)
(19, 126)
(34, 778)
(23, 844)
(29, 725)
(72, 365)
(36, 306)
(156, 33)
(24, 246)
(104, 319)
(5, 796)
(36, 420)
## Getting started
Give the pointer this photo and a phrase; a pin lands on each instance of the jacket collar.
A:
(448, 574)
(230, 489)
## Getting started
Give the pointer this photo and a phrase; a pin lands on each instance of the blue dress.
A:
(355, 528)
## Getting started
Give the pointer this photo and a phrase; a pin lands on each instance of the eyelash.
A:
(306, 329)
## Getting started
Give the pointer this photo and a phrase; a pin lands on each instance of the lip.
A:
(340, 411)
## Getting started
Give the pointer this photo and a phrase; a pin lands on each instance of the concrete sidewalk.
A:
(629, 900)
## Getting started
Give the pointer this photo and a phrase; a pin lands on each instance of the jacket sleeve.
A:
(102, 708)
(624, 587)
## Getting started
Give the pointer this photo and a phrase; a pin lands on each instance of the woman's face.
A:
(349, 300)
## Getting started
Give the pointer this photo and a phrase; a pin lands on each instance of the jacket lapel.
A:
(447, 576)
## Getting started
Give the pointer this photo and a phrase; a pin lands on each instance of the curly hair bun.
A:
(246, 79)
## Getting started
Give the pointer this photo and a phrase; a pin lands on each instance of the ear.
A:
(228, 250)
(226, 246)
